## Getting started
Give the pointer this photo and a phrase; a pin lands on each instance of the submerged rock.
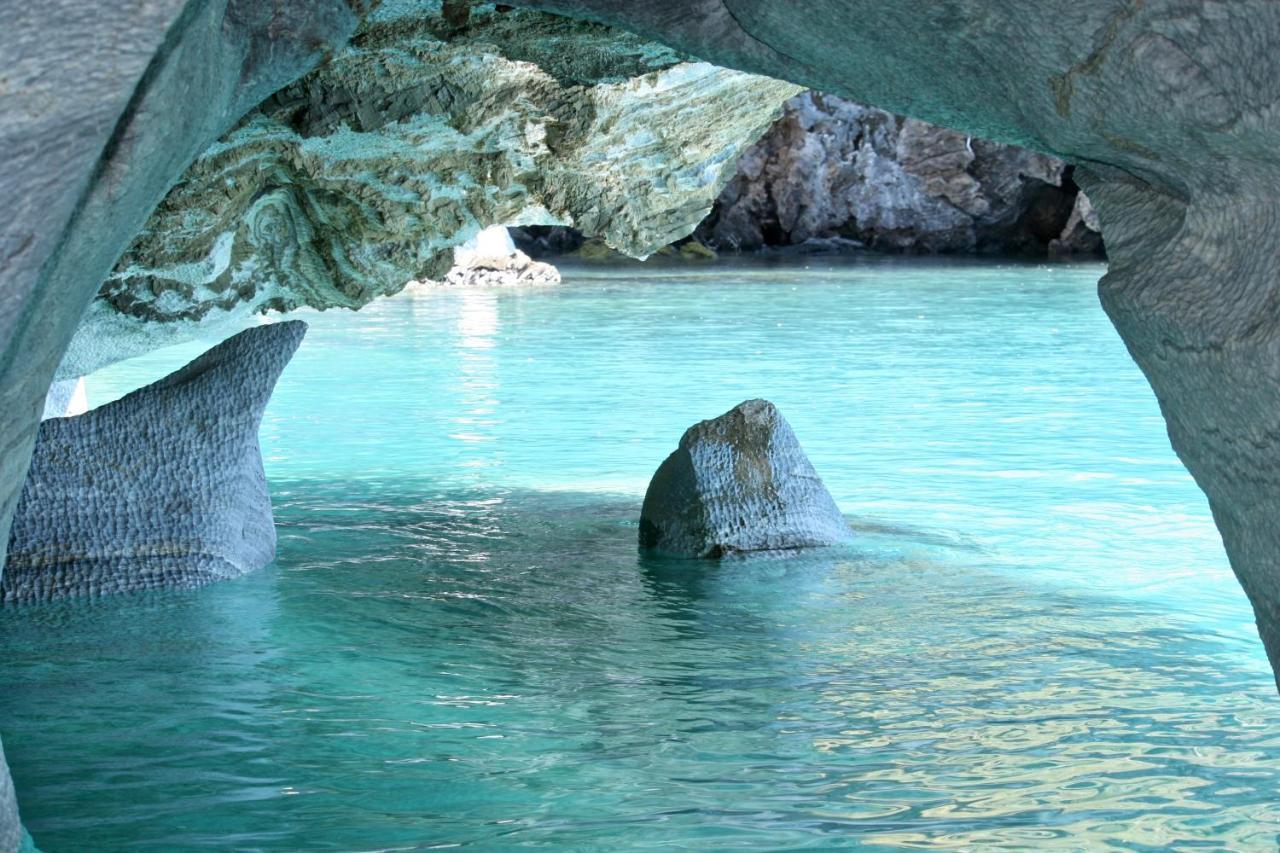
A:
(163, 488)
(739, 482)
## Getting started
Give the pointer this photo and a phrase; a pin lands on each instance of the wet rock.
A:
(161, 489)
(738, 483)
(1081, 235)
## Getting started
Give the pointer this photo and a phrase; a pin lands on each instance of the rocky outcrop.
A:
(102, 106)
(491, 259)
(510, 270)
(834, 170)
(368, 172)
(738, 483)
(163, 488)
(1082, 232)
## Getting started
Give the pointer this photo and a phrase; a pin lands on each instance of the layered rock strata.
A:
(738, 483)
(161, 489)
(368, 172)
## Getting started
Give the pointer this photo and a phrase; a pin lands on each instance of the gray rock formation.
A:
(1082, 232)
(102, 106)
(1167, 108)
(96, 123)
(163, 488)
(832, 168)
(738, 483)
(366, 174)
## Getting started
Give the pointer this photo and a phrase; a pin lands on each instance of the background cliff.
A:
(834, 174)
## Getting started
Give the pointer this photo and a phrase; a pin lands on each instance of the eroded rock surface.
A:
(833, 168)
(365, 174)
(738, 483)
(163, 488)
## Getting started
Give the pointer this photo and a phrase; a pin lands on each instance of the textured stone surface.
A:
(738, 483)
(366, 173)
(1168, 108)
(102, 106)
(832, 168)
(163, 488)
(10, 828)
(1081, 233)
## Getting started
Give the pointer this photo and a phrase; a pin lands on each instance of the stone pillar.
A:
(1194, 290)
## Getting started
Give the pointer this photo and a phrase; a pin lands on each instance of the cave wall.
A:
(367, 172)
(96, 125)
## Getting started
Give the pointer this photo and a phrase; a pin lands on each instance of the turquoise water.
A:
(1035, 642)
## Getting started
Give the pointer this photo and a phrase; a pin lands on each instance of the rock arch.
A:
(1171, 109)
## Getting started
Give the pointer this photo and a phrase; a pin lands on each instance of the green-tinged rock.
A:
(366, 173)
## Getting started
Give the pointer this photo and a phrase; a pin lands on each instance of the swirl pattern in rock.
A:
(163, 488)
(738, 483)
(365, 174)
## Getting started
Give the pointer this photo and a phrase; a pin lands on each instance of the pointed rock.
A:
(736, 483)
(163, 488)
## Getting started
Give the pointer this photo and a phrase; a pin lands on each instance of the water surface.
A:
(1035, 641)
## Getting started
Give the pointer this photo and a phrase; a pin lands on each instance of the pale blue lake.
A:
(1036, 641)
